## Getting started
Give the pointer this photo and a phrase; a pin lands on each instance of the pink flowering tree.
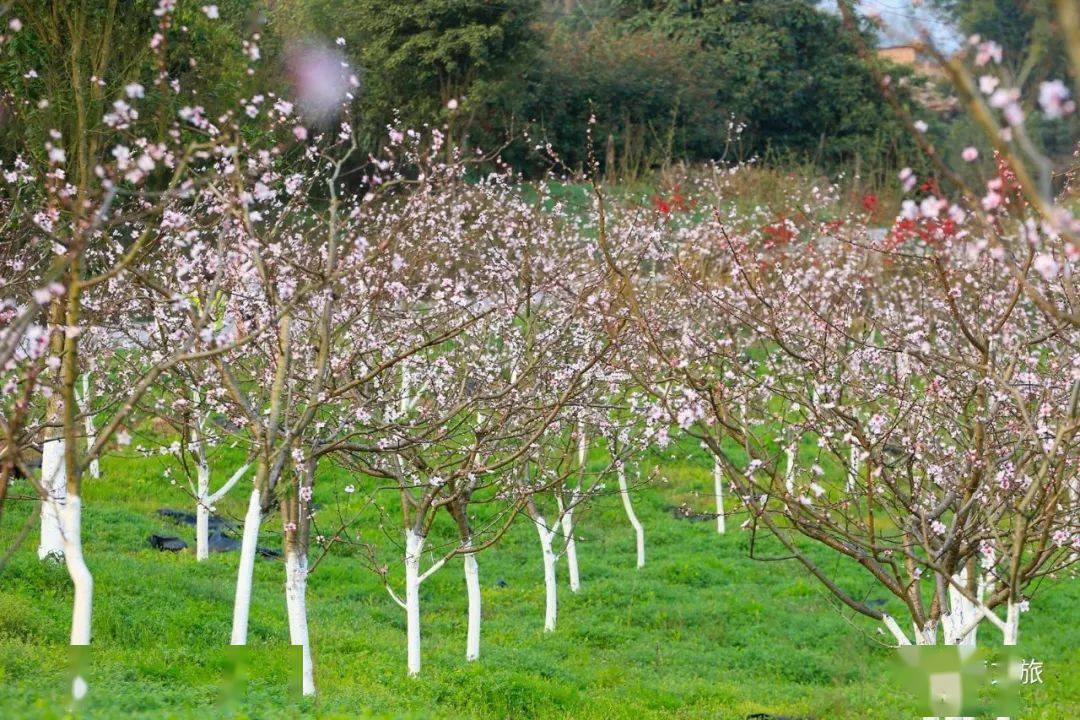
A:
(487, 312)
(901, 401)
(1022, 218)
(120, 216)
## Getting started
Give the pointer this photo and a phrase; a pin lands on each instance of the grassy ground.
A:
(701, 632)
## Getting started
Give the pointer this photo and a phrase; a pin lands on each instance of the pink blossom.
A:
(1045, 265)
(1054, 99)
(908, 179)
(988, 51)
(988, 84)
(931, 206)
(991, 201)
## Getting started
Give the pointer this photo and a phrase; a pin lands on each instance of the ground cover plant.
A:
(491, 445)
(702, 630)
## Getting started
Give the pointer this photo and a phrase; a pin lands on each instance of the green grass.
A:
(702, 631)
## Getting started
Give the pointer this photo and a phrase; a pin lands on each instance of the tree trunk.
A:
(248, 547)
(895, 629)
(789, 472)
(718, 491)
(853, 468)
(961, 613)
(414, 546)
(568, 515)
(472, 587)
(927, 635)
(571, 545)
(296, 570)
(639, 531)
(91, 433)
(202, 513)
(54, 482)
(550, 587)
(1012, 624)
(202, 531)
(82, 581)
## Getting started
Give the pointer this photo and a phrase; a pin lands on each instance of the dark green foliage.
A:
(664, 80)
(642, 89)
(417, 56)
(787, 69)
(671, 81)
(73, 59)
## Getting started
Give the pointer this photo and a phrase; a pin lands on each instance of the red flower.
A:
(677, 201)
(778, 233)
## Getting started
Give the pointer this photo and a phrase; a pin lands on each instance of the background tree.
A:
(416, 57)
(787, 69)
(70, 66)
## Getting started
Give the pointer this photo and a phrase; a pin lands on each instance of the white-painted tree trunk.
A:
(853, 467)
(952, 627)
(551, 597)
(414, 546)
(202, 530)
(91, 433)
(639, 531)
(202, 512)
(962, 613)
(571, 546)
(789, 473)
(54, 481)
(568, 518)
(296, 571)
(204, 505)
(472, 587)
(1012, 624)
(82, 581)
(246, 570)
(895, 629)
(718, 492)
(927, 635)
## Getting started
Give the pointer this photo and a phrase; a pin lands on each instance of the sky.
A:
(904, 18)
